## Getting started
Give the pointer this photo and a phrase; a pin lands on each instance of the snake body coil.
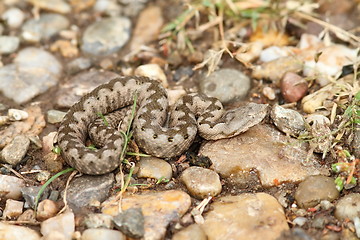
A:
(153, 132)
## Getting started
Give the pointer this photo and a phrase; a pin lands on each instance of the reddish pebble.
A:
(293, 87)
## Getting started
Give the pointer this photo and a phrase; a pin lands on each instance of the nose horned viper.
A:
(154, 131)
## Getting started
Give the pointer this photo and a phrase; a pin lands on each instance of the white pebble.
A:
(300, 221)
(17, 115)
(14, 17)
(102, 234)
(152, 71)
(61, 225)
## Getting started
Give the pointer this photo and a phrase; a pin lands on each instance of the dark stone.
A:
(131, 223)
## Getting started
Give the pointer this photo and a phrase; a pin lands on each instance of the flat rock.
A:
(86, 189)
(13, 209)
(276, 157)
(106, 36)
(158, 208)
(70, 92)
(227, 85)
(46, 26)
(246, 216)
(10, 187)
(33, 72)
(14, 232)
(130, 222)
(15, 151)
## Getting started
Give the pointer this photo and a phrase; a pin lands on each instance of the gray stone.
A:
(201, 182)
(78, 65)
(8, 44)
(46, 26)
(314, 189)
(30, 193)
(348, 207)
(287, 120)
(14, 152)
(55, 116)
(130, 222)
(33, 72)
(227, 85)
(87, 189)
(106, 36)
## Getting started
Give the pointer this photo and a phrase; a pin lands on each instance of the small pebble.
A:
(269, 93)
(106, 64)
(102, 234)
(14, 232)
(315, 189)
(27, 215)
(14, 17)
(17, 115)
(46, 26)
(61, 225)
(46, 209)
(130, 222)
(152, 167)
(300, 221)
(14, 152)
(348, 207)
(234, 85)
(65, 47)
(293, 87)
(10, 187)
(201, 182)
(78, 64)
(152, 71)
(13, 209)
(55, 116)
(8, 44)
(287, 120)
(99, 220)
(43, 176)
(274, 52)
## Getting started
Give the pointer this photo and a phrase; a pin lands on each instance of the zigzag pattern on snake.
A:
(154, 132)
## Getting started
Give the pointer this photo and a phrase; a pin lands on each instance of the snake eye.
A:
(218, 108)
(186, 136)
(170, 139)
(142, 129)
(155, 136)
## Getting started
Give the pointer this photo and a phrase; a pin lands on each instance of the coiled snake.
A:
(154, 132)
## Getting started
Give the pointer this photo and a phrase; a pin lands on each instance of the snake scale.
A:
(154, 131)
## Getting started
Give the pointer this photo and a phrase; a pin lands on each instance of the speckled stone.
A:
(106, 36)
(227, 85)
